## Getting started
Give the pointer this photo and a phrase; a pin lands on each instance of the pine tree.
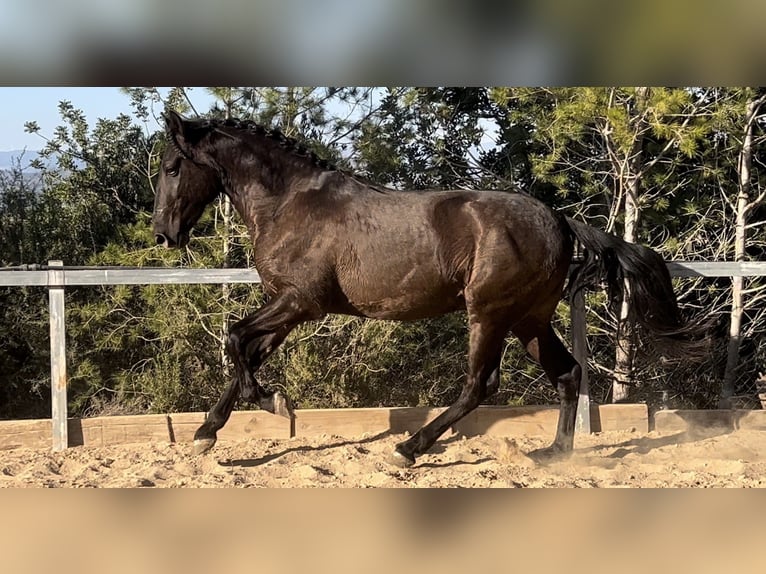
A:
(606, 150)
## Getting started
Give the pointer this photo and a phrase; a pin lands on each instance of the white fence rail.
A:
(56, 278)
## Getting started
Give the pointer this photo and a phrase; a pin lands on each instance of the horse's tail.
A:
(651, 299)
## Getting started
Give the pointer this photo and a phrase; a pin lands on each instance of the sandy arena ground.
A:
(610, 459)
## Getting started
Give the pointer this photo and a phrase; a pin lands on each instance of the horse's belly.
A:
(417, 295)
(408, 308)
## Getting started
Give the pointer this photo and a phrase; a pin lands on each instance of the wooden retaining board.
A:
(356, 422)
(25, 434)
(105, 431)
(486, 420)
(683, 420)
(618, 417)
(242, 425)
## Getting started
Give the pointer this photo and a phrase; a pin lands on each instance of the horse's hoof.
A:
(202, 445)
(401, 460)
(282, 406)
(549, 454)
(278, 404)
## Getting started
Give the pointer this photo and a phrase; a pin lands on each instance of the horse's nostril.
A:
(161, 239)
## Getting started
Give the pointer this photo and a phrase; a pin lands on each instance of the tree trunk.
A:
(629, 174)
(623, 360)
(226, 248)
(225, 288)
(737, 301)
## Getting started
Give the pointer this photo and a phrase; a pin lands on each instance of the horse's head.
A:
(185, 185)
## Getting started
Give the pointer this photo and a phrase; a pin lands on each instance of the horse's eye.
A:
(172, 172)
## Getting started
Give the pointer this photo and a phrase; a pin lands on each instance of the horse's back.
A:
(511, 245)
(406, 255)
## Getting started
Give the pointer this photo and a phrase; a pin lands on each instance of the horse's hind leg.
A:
(251, 340)
(485, 351)
(564, 373)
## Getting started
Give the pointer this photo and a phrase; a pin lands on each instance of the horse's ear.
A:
(182, 133)
(174, 122)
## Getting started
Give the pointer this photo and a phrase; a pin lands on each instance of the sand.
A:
(609, 459)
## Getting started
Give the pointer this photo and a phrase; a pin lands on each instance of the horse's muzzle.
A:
(162, 239)
(168, 242)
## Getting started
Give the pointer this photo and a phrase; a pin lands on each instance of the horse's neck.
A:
(262, 178)
(252, 205)
(257, 201)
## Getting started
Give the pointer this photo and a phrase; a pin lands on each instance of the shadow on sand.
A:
(646, 444)
(439, 448)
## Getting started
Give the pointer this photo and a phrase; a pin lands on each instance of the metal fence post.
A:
(580, 352)
(58, 356)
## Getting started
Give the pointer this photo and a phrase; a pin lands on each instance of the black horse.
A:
(326, 241)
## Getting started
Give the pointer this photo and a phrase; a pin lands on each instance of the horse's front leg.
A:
(250, 342)
(205, 437)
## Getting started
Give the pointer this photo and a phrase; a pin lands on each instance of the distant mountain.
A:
(8, 159)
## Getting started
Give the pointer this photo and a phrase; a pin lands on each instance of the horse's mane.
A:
(287, 143)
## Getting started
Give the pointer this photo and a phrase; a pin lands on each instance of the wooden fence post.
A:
(58, 356)
(580, 352)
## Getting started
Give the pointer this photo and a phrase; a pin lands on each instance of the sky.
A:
(40, 104)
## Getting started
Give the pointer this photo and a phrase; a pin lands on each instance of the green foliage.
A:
(422, 138)
(159, 348)
(99, 182)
